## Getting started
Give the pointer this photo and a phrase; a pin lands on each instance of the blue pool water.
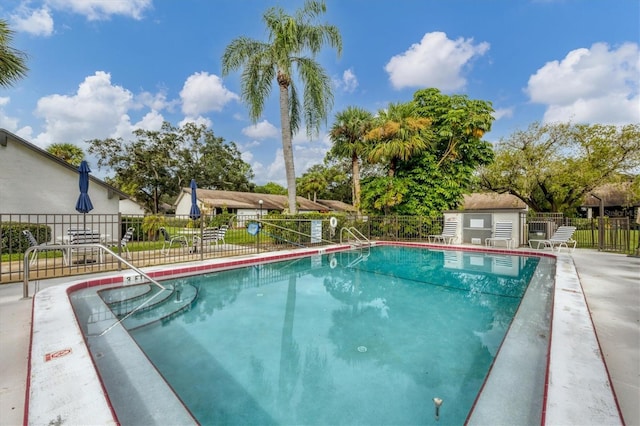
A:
(352, 338)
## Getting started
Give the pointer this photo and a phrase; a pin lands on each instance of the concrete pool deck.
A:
(610, 282)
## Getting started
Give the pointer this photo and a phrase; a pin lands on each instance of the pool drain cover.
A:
(362, 348)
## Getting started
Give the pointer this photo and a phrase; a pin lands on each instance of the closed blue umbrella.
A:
(195, 210)
(84, 202)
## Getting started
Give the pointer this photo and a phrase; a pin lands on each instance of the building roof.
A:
(612, 194)
(492, 201)
(338, 206)
(249, 200)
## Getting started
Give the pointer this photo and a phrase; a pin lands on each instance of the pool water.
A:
(351, 338)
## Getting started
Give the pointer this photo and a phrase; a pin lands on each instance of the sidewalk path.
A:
(611, 284)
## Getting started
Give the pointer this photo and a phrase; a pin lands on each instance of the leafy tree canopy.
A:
(270, 188)
(155, 166)
(68, 152)
(325, 182)
(434, 177)
(551, 167)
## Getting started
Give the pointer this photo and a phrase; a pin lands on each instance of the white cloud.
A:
(436, 61)
(261, 130)
(302, 138)
(596, 85)
(199, 120)
(102, 9)
(503, 113)
(203, 93)
(37, 22)
(349, 82)
(97, 110)
(154, 101)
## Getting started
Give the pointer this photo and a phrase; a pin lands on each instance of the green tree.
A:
(434, 178)
(210, 160)
(12, 61)
(348, 137)
(398, 134)
(326, 181)
(312, 182)
(290, 38)
(270, 188)
(67, 152)
(551, 167)
(155, 166)
(458, 123)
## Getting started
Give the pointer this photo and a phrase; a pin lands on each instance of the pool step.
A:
(157, 304)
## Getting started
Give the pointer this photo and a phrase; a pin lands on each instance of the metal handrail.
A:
(291, 230)
(357, 235)
(25, 284)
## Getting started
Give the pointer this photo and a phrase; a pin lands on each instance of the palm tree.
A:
(290, 37)
(348, 137)
(313, 181)
(12, 61)
(67, 152)
(398, 135)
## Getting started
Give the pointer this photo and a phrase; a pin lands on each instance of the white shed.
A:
(479, 213)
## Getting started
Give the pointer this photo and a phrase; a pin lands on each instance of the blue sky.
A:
(101, 68)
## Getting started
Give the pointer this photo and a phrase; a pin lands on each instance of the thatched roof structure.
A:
(612, 194)
(492, 201)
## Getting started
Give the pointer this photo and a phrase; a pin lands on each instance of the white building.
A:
(38, 187)
(34, 181)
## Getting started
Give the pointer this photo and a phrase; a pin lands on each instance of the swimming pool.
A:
(345, 338)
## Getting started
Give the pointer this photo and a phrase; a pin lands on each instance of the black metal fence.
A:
(184, 242)
(613, 234)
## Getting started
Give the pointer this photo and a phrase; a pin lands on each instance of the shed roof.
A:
(492, 201)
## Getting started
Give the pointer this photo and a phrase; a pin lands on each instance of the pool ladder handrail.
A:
(260, 221)
(357, 236)
(25, 284)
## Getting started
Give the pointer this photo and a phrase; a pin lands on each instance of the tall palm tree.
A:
(290, 38)
(398, 135)
(12, 61)
(348, 137)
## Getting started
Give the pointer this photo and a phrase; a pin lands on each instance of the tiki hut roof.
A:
(492, 201)
(612, 194)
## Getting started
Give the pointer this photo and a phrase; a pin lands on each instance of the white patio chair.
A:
(34, 243)
(561, 238)
(170, 239)
(124, 242)
(448, 235)
(502, 232)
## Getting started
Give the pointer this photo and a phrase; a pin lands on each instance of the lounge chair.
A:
(34, 243)
(503, 232)
(82, 237)
(124, 242)
(448, 235)
(210, 235)
(170, 239)
(561, 238)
